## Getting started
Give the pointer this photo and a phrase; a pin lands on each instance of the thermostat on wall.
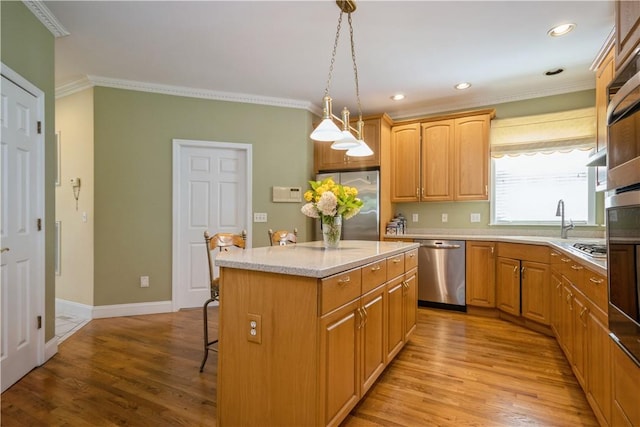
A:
(287, 194)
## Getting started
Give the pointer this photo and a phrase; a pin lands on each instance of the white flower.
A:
(328, 203)
(310, 210)
(351, 213)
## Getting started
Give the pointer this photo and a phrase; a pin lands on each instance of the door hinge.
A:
(39, 127)
(39, 322)
(39, 224)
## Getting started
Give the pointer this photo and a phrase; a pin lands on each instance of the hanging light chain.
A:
(333, 54)
(355, 66)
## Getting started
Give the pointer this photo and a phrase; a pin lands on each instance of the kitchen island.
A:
(305, 331)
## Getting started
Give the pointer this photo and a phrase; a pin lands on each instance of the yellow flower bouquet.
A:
(331, 202)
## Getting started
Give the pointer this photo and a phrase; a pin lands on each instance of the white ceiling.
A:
(280, 50)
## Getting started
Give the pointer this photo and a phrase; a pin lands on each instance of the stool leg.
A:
(206, 332)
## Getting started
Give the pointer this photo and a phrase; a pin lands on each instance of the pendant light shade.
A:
(327, 130)
(362, 150)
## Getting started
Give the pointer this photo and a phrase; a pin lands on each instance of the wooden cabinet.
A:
(410, 303)
(480, 274)
(625, 410)
(373, 355)
(471, 158)
(627, 28)
(599, 365)
(579, 316)
(523, 281)
(604, 74)
(375, 129)
(556, 302)
(440, 159)
(405, 163)
(508, 285)
(566, 320)
(402, 297)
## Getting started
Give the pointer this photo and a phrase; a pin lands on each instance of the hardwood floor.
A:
(457, 370)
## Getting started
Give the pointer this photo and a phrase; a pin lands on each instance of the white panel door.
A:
(18, 233)
(213, 196)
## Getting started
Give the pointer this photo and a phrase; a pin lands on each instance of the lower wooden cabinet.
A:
(535, 291)
(625, 410)
(410, 303)
(373, 355)
(508, 285)
(599, 365)
(480, 274)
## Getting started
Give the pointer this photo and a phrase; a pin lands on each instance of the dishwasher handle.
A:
(439, 245)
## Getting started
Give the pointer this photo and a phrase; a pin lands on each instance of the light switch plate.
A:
(259, 217)
(445, 217)
(475, 217)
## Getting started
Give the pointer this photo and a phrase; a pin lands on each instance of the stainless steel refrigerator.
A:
(365, 225)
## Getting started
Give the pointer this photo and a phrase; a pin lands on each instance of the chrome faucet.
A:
(560, 213)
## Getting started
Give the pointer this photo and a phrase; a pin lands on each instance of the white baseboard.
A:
(50, 348)
(76, 309)
(135, 309)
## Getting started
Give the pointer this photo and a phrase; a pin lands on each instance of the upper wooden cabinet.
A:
(604, 74)
(375, 129)
(441, 158)
(627, 29)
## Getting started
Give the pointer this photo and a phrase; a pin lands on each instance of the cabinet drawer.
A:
(410, 259)
(524, 252)
(572, 270)
(595, 287)
(340, 289)
(555, 259)
(373, 275)
(395, 266)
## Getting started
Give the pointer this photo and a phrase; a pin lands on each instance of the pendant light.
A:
(327, 130)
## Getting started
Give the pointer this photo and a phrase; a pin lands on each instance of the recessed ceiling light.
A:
(398, 97)
(561, 30)
(553, 72)
(463, 85)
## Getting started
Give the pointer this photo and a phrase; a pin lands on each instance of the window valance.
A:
(544, 133)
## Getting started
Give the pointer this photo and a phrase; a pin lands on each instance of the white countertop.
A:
(566, 245)
(311, 259)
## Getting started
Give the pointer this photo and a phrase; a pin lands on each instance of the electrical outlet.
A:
(414, 217)
(259, 217)
(445, 217)
(254, 324)
(475, 217)
(144, 281)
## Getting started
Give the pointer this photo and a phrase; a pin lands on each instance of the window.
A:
(527, 187)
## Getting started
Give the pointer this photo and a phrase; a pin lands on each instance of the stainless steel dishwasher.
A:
(441, 274)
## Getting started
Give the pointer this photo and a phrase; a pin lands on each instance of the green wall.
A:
(27, 47)
(430, 213)
(133, 179)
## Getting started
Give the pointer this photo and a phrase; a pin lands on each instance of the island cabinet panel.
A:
(481, 274)
(286, 360)
(339, 349)
(320, 342)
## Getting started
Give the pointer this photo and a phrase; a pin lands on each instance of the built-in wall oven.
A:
(623, 208)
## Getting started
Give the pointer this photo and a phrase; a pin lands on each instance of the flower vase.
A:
(331, 230)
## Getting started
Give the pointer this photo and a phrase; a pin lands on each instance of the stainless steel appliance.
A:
(623, 208)
(623, 268)
(441, 274)
(623, 119)
(365, 225)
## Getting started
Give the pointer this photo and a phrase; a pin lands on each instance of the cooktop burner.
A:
(592, 249)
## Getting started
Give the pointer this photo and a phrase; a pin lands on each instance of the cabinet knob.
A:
(596, 281)
(344, 280)
(375, 267)
(576, 267)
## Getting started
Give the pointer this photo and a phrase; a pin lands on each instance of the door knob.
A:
(4, 250)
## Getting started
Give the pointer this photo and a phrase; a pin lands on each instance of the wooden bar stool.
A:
(222, 242)
(282, 237)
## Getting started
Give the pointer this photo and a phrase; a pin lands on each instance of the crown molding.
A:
(604, 50)
(479, 101)
(91, 81)
(48, 19)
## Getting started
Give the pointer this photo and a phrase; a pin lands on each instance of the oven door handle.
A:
(619, 104)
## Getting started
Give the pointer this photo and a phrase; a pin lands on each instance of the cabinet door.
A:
(372, 337)
(627, 28)
(556, 304)
(599, 367)
(579, 359)
(471, 158)
(395, 321)
(508, 285)
(328, 159)
(566, 326)
(481, 274)
(405, 163)
(626, 389)
(410, 302)
(604, 75)
(535, 291)
(339, 362)
(437, 161)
